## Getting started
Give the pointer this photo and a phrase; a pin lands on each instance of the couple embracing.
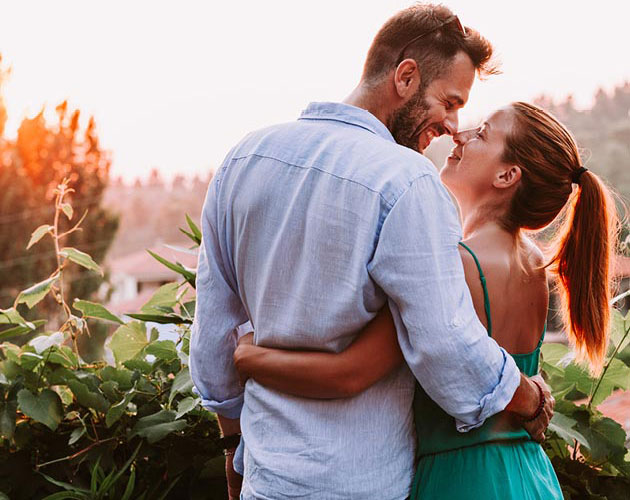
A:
(395, 342)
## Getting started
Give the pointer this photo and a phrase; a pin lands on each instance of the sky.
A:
(174, 85)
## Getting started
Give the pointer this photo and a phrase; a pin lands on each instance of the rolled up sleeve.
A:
(417, 264)
(218, 312)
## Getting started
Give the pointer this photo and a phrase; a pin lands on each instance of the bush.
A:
(129, 429)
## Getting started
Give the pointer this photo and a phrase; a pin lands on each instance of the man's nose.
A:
(451, 123)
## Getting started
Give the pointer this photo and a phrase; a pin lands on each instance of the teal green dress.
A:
(498, 460)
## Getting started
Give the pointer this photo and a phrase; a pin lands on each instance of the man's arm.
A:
(218, 311)
(417, 265)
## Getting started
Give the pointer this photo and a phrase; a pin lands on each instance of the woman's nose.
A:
(461, 138)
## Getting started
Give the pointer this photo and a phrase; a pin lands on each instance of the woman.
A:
(514, 173)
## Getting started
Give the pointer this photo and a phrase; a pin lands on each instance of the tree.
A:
(31, 166)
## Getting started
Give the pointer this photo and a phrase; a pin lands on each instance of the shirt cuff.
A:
(230, 408)
(498, 399)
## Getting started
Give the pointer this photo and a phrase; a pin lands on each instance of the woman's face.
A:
(474, 167)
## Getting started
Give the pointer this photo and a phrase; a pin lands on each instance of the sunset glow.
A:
(176, 88)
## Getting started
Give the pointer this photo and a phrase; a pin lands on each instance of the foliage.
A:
(603, 131)
(132, 429)
(32, 165)
(588, 450)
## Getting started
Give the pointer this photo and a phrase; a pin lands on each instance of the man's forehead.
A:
(456, 83)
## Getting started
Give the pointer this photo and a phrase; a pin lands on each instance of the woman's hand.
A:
(243, 353)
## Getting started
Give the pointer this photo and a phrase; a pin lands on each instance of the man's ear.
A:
(407, 78)
(507, 177)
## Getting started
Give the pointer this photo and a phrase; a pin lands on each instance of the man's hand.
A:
(537, 427)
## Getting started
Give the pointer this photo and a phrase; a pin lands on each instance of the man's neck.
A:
(371, 100)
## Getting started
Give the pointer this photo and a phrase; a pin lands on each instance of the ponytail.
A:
(583, 248)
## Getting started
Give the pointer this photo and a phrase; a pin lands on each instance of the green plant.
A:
(587, 449)
(129, 429)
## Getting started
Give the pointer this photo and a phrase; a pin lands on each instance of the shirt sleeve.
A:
(418, 266)
(218, 312)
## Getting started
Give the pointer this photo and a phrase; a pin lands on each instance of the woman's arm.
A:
(373, 354)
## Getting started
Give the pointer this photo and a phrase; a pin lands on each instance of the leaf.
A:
(123, 377)
(182, 249)
(178, 268)
(8, 414)
(128, 341)
(12, 317)
(617, 376)
(186, 405)
(162, 349)
(552, 355)
(120, 472)
(94, 310)
(45, 408)
(64, 393)
(43, 342)
(75, 435)
(80, 258)
(117, 410)
(130, 485)
(31, 296)
(165, 296)
(619, 335)
(157, 426)
(193, 227)
(88, 398)
(38, 234)
(71, 489)
(29, 360)
(67, 209)
(139, 364)
(563, 427)
(64, 356)
(606, 439)
(162, 319)
(182, 384)
(21, 330)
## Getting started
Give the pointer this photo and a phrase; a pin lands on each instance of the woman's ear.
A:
(507, 177)
(407, 78)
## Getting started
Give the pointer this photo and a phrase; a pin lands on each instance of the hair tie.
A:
(575, 178)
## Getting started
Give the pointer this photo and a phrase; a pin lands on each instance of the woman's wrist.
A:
(244, 357)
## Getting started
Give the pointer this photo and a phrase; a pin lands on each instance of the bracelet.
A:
(231, 441)
(541, 404)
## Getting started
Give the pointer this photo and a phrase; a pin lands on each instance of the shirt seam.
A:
(347, 122)
(390, 204)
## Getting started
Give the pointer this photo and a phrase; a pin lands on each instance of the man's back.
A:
(297, 213)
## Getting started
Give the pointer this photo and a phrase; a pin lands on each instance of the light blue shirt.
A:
(308, 229)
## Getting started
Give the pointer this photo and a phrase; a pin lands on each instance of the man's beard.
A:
(405, 122)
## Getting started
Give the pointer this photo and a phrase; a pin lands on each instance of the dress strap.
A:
(482, 278)
(542, 337)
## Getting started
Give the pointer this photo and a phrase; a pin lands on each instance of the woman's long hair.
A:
(583, 245)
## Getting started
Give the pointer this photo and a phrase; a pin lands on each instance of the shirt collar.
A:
(346, 113)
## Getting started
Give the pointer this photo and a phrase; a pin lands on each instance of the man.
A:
(308, 229)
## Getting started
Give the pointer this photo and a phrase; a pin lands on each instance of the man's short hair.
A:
(432, 52)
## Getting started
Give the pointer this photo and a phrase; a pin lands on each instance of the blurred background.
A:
(138, 102)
